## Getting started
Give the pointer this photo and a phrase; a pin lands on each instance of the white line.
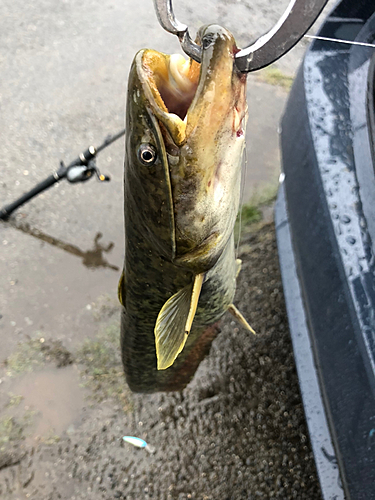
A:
(338, 40)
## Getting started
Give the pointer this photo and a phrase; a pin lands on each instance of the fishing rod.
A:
(81, 169)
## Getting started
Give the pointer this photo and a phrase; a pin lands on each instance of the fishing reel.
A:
(85, 169)
(84, 173)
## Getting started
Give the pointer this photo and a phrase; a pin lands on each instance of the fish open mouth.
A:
(183, 92)
(173, 81)
(170, 82)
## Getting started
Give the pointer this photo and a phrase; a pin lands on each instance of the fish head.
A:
(198, 115)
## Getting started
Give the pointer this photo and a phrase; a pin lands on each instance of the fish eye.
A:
(146, 154)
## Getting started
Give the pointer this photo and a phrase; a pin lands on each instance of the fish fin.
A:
(236, 313)
(120, 288)
(174, 322)
(197, 287)
(238, 267)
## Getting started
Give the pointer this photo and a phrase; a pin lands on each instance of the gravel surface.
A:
(236, 432)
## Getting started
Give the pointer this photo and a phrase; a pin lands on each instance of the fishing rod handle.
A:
(42, 186)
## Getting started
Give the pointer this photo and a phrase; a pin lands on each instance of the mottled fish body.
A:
(185, 127)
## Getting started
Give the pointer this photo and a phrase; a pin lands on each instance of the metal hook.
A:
(167, 20)
(299, 16)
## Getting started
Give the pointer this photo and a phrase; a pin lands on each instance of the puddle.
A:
(54, 396)
(92, 258)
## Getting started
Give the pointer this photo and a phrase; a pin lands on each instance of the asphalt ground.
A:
(64, 69)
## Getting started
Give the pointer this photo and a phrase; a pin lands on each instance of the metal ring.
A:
(168, 21)
(299, 16)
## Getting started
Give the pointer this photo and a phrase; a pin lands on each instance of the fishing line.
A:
(338, 40)
(242, 195)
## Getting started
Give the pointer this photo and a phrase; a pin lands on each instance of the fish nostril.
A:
(208, 40)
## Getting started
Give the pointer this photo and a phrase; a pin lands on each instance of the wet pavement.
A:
(64, 70)
(57, 396)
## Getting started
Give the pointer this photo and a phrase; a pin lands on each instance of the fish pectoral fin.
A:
(120, 289)
(236, 314)
(174, 322)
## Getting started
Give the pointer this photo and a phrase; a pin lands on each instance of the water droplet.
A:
(351, 240)
(345, 219)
